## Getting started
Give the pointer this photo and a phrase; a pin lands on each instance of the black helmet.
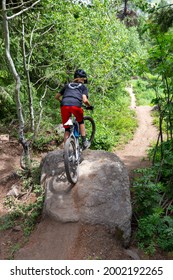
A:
(79, 73)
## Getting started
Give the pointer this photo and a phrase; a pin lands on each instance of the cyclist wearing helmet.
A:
(71, 97)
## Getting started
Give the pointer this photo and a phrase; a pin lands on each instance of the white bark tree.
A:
(33, 45)
(21, 8)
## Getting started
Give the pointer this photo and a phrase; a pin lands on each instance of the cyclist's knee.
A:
(67, 129)
(82, 122)
(66, 134)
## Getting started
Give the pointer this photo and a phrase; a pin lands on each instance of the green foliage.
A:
(115, 123)
(13, 250)
(6, 104)
(162, 16)
(164, 160)
(144, 91)
(8, 221)
(31, 213)
(68, 36)
(155, 230)
(153, 189)
(160, 65)
(20, 212)
(47, 142)
(153, 203)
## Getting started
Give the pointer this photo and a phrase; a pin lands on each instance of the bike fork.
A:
(77, 151)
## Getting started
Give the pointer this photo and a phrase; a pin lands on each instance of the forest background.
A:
(117, 43)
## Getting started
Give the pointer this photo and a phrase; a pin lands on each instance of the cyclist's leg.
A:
(78, 113)
(66, 134)
(85, 143)
(82, 128)
(65, 115)
(90, 128)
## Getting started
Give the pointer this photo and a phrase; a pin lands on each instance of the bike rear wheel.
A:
(90, 128)
(71, 163)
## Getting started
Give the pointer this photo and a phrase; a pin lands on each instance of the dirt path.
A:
(51, 240)
(134, 154)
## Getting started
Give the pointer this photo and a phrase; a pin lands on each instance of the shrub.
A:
(153, 203)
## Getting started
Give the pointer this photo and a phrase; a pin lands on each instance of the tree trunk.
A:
(26, 70)
(13, 70)
(125, 7)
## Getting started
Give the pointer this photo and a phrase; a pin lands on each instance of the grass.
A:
(144, 92)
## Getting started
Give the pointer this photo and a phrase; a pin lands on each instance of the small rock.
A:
(17, 228)
(4, 138)
(14, 191)
(155, 108)
(132, 254)
(59, 129)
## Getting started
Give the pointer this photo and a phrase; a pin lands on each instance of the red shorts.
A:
(67, 111)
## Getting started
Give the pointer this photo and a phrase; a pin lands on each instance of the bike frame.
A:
(72, 122)
(73, 149)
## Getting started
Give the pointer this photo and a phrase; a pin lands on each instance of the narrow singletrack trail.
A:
(134, 154)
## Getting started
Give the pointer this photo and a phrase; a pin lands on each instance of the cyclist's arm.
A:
(58, 96)
(85, 100)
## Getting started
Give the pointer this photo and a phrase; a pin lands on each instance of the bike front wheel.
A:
(90, 128)
(71, 161)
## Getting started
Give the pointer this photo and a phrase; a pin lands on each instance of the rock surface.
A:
(100, 197)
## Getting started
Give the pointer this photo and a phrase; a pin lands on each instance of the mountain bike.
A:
(73, 146)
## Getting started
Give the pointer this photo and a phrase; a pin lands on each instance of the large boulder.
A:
(101, 196)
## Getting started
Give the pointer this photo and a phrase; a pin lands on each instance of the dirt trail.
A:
(134, 154)
(51, 240)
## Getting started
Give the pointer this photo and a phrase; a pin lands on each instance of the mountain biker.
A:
(71, 97)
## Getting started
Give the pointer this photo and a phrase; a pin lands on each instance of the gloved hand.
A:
(90, 108)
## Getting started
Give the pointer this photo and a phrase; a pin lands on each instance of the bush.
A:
(144, 91)
(153, 204)
(20, 212)
(115, 123)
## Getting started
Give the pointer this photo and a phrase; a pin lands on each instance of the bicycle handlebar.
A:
(88, 107)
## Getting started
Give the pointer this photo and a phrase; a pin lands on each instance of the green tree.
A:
(51, 41)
